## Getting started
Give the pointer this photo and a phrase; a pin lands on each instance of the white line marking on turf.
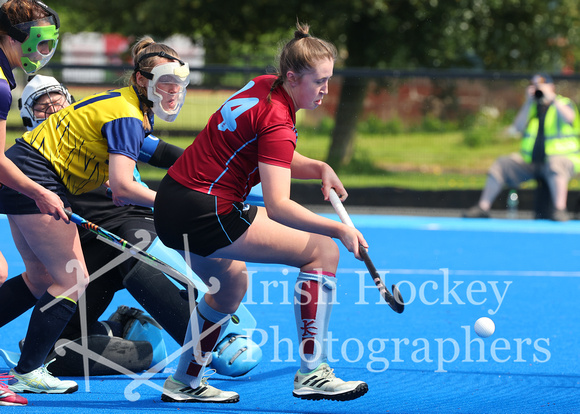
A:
(419, 272)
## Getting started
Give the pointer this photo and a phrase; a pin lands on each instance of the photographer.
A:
(549, 151)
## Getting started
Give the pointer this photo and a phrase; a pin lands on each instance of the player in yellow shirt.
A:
(77, 149)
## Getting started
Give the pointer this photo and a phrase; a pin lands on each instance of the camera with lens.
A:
(538, 94)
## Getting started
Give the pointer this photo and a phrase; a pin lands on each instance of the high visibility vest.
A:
(562, 138)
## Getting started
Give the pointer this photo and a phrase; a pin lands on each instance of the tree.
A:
(397, 34)
(483, 35)
(227, 28)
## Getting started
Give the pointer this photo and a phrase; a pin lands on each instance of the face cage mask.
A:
(42, 85)
(40, 45)
(167, 89)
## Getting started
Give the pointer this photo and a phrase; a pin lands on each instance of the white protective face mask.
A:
(167, 88)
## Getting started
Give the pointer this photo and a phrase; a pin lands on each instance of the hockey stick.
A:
(123, 245)
(394, 300)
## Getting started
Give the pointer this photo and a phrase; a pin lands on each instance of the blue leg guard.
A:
(144, 328)
(236, 353)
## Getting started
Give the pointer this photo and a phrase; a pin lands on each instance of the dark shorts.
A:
(36, 167)
(181, 211)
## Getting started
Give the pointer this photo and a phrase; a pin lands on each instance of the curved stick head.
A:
(397, 303)
(395, 300)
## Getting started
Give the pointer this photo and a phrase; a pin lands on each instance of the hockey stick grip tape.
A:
(75, 218)
(339, 208)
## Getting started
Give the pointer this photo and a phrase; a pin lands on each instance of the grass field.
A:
(423, 161)
(415, 161)
(523, 274)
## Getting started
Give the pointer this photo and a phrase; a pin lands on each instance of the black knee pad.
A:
(161, 298)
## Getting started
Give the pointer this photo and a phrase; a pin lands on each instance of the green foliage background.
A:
(482, 34)
(476, 35)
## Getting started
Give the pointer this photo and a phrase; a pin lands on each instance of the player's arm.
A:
(3, 269)
(159, 153)
(125, 190)
(280, 208)
(305, 168)
(11, 176)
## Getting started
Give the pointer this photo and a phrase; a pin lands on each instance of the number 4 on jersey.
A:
(233, 108)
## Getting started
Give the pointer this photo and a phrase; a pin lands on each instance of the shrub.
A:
(485, 128)
(374, 126)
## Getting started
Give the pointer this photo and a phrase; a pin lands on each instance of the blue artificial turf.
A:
(523, 274)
